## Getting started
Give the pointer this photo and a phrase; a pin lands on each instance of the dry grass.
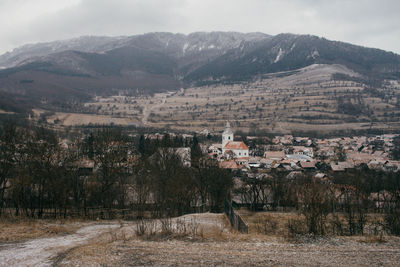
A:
(217, 244)
(269, 223)
(250, 252)
(20, 230)
(291, 225)
(93, 254)
(371, 239)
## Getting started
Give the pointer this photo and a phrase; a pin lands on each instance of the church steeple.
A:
(227, 135)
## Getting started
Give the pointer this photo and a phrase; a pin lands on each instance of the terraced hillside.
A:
(318, 97)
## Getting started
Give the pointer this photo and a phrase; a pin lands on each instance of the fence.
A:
(236, 220)
(92, 213)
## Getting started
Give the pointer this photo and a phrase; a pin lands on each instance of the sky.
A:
(371, 23)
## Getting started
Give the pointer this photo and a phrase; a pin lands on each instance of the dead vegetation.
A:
(234, 249)
(292, 226)
(207, 239)
(24, 229)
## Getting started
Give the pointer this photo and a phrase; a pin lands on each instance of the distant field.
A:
(6, 112)
(74, 119)
(309, 99)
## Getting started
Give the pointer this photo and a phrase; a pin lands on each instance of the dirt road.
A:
(148, 108)
(42, 251)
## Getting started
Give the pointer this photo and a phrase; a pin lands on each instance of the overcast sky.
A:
(372, 23)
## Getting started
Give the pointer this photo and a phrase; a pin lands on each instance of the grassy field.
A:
(307, 100)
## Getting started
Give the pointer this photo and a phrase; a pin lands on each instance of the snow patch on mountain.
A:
(184, 48)
(315, 54)
(279, 55)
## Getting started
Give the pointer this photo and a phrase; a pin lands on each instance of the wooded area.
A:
(106, 169)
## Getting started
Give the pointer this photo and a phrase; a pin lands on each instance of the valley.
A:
(309, 98)
(279, 84)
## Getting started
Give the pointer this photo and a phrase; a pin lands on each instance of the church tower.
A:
(227, 135)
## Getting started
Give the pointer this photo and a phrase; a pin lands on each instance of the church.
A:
(233, 148)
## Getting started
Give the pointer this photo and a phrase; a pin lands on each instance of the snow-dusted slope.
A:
(176, 45)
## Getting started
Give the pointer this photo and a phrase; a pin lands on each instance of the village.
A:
(290, 153)
(219, 184)
(291, 157)
(303, 153)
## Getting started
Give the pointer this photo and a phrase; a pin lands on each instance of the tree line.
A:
(42, 176)
(345, 197)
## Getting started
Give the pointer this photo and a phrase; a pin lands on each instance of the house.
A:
(320, 175)
(341, 166)
(85, 166)
(392, 165)
(274, 155)
(215, 149)
(326, 151)
(254, 162)
(302, 150)
(299, 157)
(285, 140)
(360, 157)
(184, 154)
(231, 164)
(308, 165)
(237, 149)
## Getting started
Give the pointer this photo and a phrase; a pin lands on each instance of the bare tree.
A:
(9, 140)
(315, 202)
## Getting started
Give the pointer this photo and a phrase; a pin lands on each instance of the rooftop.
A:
(236, 145)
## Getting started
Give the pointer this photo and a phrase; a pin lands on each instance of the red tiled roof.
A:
(228, 165)
(274, 154)
(236, 145)
(307, 164)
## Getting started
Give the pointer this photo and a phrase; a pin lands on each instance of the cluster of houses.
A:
(294, 155)
(303, 153)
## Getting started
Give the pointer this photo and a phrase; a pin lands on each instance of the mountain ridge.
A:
(80, 68)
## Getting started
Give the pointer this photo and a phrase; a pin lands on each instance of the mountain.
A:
(92, 44)
(179, 46)
(286, 52)
(61, 74)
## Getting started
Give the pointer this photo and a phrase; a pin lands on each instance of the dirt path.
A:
(39, 252)
(148, 108)
(147, 111)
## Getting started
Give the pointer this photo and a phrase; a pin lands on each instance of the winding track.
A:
(40, 252)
